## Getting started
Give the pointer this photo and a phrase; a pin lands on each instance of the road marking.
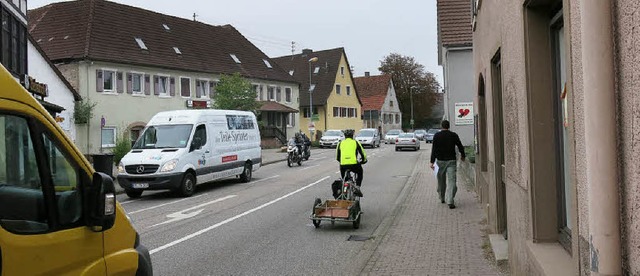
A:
(128, 201)
(263, 179)
(180, 215)
(191, 236)
(164, 204)
(316, 159)
(309, 167)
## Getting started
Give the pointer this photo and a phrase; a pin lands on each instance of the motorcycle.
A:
(306, 151)
(293, 156)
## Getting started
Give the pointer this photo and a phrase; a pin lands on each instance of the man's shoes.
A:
(356, 191)
(452, 206)
(441, 200)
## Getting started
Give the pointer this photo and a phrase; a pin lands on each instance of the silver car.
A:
(420, 134)
(407, 140)
(368, 137)
(331, 138)
(430, 133)
(391, 136)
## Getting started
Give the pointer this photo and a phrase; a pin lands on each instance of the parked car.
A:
(368, 137)
(407, 140)
(331, 138)
(420, 134)
(428, 137)
(392, 135)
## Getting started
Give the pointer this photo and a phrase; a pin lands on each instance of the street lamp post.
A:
(311, 60)
(411, 99)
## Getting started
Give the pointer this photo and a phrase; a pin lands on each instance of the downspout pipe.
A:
(601, 137)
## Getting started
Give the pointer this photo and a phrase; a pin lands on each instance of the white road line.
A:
(263, 179)
(164, 204)
(191, 236)
(180, 215)
(128, 201)
(309, 167)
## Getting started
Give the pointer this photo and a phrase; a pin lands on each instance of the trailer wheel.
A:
(356, 212)
(316, 222)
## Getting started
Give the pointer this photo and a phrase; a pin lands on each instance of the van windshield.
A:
(164, 136)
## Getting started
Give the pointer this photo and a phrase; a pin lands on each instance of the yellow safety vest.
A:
(348, 149)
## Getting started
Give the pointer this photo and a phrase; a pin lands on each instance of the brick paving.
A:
(428, 238)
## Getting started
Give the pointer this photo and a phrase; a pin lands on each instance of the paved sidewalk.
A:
(427, 238)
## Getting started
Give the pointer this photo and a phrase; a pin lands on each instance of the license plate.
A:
(140, 185)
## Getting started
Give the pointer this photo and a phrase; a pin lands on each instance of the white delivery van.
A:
(179, 149)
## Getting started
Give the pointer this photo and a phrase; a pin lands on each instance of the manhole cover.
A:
(358, 238)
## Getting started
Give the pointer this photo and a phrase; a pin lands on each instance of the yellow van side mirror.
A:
(100, 206)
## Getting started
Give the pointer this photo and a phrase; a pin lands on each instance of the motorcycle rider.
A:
(297, 141)
(347, 154)
(306, 142)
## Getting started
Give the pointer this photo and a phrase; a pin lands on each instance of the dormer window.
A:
(266, 62)
(141, 44)
(177, 50)
(235, 58)
(291, 72)
(166, 27)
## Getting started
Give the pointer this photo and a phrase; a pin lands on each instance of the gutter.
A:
(601, 135)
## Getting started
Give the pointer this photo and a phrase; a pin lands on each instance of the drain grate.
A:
(358, 238)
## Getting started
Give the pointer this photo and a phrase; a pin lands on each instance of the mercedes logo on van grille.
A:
(140, 169)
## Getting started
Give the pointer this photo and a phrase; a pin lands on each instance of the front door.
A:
(42, 227)
(501, 192)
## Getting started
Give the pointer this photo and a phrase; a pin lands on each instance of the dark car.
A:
(429, 135)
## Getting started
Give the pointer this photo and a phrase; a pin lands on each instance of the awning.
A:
(272, 106)
(51, 107)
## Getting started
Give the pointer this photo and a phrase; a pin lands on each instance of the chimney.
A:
(366, 74)
(307, 51)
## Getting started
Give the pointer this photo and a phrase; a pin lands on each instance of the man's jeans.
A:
(447, 187)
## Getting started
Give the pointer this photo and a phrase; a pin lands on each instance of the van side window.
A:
(240, 122)
(22, 204)
(201, 132)
(65, 181)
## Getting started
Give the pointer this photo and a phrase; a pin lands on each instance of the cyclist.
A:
(347, 154)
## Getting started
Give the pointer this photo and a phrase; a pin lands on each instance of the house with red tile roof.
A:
(379, 102)
(327, 85)
(134, 63)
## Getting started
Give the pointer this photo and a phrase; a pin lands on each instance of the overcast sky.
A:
(367, 29)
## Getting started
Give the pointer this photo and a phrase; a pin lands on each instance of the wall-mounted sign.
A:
(35, 87)
(463, 114)
(195, 104)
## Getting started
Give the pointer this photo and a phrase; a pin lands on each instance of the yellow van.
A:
(57, 215)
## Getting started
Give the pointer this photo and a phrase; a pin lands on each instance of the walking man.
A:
(443, 154)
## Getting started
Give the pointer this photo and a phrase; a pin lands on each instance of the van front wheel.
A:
(246, 173)
(188, 185)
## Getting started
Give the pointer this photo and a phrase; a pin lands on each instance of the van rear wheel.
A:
(246, 173)
(188, 185)
(133, 193)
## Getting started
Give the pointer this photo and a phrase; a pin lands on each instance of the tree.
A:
(409, 76)
(235, 93)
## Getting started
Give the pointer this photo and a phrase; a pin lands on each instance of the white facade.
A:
(457, 64)
(59, 93)
(122, 111)
(391, 110)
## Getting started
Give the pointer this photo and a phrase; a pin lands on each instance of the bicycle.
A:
(345, 207)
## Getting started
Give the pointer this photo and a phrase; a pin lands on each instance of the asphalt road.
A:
(263, 227)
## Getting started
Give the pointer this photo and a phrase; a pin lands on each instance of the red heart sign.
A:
(463, 112)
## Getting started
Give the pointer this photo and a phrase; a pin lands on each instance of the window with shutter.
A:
(99, 81)
(147, 84)
(120, 83)
(203, 89)
(172, 86)
(108, 81)
(137, 86)
(287, 94)
(185, 87)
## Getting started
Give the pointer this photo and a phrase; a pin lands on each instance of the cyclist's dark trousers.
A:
(356, 168)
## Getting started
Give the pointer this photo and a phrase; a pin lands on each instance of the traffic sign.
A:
(315, 118)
